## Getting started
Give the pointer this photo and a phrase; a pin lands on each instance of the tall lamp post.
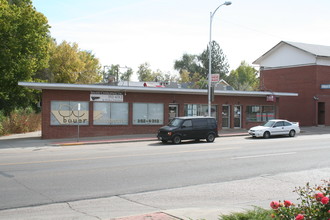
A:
(210, 57)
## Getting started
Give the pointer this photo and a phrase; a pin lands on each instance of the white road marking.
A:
(263, 155)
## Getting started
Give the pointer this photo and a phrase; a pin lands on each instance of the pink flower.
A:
(325, 200)
(319, 196)
(274, 204)
(287, 203)
(300, 217)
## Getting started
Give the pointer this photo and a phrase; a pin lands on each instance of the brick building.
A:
(303, 69)
(103, 110)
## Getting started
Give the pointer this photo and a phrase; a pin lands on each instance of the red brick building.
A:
(103, 110)
(303, 69)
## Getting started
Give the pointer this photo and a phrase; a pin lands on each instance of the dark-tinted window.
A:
(279, 124)
(286, 123)
(187, 123)
(199, 122)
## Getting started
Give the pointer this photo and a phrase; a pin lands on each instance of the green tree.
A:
(68, 64)
(219, 63)
(24, 44)
(145, 73)
(91, 72)
(188, 63)
(126, 76)
(244, 78)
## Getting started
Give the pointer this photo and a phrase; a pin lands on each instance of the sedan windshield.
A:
(175, 122)
(269, 124)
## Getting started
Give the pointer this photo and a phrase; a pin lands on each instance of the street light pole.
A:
(210, 58)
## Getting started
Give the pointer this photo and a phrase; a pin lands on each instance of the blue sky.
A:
(131, 32)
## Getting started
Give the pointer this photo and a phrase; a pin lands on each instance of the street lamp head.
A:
(227, 3)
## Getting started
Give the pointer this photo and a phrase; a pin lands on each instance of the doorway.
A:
(321, 113)
(225, 116)
(237, 116)
(173, 110)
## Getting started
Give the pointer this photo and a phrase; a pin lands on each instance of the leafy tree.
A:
(245, 78)
(24, 37)
(68, 64)
(189, 63)
(145, 73)
(196, 67)
(126, 76)
(219, 64)
(91, 69)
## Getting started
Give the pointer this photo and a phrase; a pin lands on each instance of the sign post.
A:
(78, 121)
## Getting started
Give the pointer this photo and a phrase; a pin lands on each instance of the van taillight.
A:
(169, 133)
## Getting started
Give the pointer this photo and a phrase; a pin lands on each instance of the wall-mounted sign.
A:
(106, 97)
(271, 98)
(325, 86)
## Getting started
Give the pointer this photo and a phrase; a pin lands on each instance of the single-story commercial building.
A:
(104, 110)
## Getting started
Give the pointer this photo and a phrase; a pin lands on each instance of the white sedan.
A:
(275, 127)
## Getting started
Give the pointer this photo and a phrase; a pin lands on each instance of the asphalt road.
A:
(45, 175)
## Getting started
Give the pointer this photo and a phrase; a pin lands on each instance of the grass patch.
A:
(255, 214)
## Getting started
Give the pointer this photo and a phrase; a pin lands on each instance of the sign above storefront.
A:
(271, 98)
(106, 97)
(325, 86)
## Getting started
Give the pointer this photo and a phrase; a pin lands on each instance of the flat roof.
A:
(109, 88)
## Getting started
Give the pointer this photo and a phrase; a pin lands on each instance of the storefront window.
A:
(199, 110)
(256, 113)
(110, 113)
(68, 113)
(148, 114)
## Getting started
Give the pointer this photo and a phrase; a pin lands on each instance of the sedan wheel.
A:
(266, 134)
(292, 133)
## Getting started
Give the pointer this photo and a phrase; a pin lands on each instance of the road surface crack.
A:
(84, 213)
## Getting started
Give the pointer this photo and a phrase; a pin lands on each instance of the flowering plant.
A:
(314, 204)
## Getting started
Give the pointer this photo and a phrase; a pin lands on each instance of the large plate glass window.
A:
(110, 113)
(256, 113)
(148, 114)
(68, 113)
(199, 110)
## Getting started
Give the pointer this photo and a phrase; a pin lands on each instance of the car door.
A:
(278, 128)
(187, 129)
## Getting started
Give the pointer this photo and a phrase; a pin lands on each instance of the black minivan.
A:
(184, 128)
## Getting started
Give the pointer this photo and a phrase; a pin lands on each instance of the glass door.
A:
(173, 110)
(225, 116)
(237, 116)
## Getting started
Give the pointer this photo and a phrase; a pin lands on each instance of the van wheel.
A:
(210, 137)
(267, 134)
(176, 139)
(292, 133)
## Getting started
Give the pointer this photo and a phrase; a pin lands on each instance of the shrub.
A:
(314, 204)
(20, 121)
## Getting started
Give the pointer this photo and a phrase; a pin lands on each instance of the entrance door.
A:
(225, 116)
(321, 113)
(173, 110)
(237, 116)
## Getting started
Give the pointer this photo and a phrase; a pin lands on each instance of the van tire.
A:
(176, 139)
(210, 137)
